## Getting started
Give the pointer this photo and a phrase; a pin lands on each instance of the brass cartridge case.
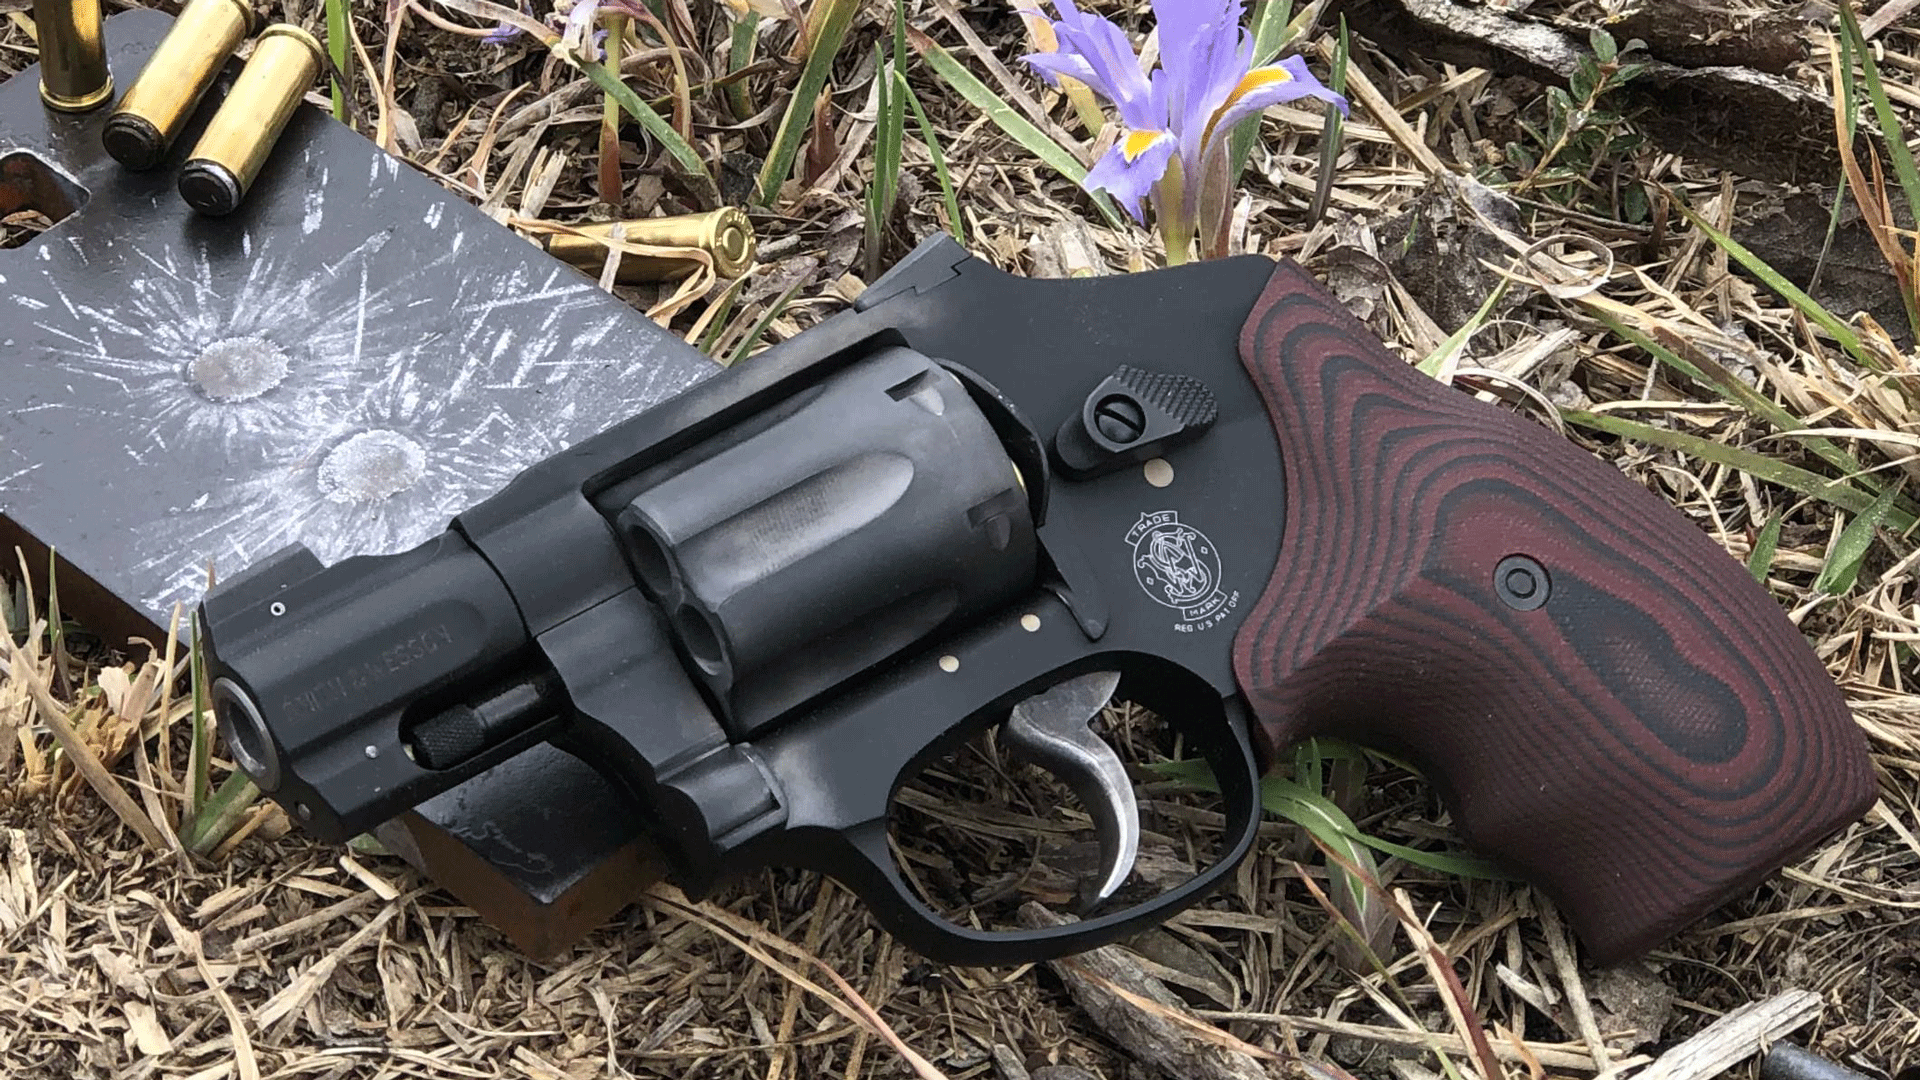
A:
(157, 105)
(224, 162)
(73, 54)
(724, 234)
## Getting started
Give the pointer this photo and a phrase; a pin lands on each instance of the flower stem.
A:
(1169, 210)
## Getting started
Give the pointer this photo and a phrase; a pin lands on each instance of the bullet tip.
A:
(132, 141)
(210, 188)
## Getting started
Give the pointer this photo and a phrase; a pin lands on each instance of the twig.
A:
(1564, 1056)
(758, 943)
(1376, 102)
(1890, 12)
(1735, 1037)
(1140, 1014)
(189, 943)
(294, 996)
(1570, 984)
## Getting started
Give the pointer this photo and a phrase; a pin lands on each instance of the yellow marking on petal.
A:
(1257, 79)
(1139, 142)
(1040, 30)
(1254, 80)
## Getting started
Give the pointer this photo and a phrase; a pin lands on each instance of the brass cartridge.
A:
(73, 54)
(724, 234)
(157, 105)
(224, 162)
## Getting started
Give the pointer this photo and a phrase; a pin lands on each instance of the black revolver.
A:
(975, 500)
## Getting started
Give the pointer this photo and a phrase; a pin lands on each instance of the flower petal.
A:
(1202, 52)
(1203, 55)
(1289, 80)
(1051, 65)
(1129, 170)
(1113, 69)
(506, 31)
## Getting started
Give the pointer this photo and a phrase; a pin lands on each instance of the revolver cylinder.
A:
(832, 532)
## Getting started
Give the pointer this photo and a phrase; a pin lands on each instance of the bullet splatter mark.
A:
(238, 369)
(372, 466)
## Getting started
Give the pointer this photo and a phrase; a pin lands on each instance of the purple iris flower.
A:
(506, 31)
(577, 31)
(1175, 119)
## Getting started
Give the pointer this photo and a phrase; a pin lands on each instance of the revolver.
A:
(978, 500)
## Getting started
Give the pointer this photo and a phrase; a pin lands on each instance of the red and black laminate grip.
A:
(1653, 739)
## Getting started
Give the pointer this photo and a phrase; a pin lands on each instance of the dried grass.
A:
(279, 957)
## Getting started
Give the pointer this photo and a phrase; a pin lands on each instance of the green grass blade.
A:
(1269, 25)
(889, 136)
(218, 817)
(655, 124)
(1738, 393)
(1333, 134)
(1837, 492)
(773, 312)
(898, 40)
(739, 54)
(886, 170)
(200, 747)
(1432, 365)
(947, 193)
(1298, 802)
(723, 310)
(1320, 816)
(340, 50)
(813, 79)
(886, 164)
(1903, 164)
(1837, 578)
(56, 628)
(1270, 19)
(1018, 128)
(1788, 291)
(1760, 560)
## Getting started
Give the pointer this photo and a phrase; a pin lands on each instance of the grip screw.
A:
(1521, 583)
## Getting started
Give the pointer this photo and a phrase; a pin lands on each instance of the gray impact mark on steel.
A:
(1050, 730)
(372, 466)
(238, 369)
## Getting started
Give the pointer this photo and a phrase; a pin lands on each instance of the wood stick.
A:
(1890, 12)
(1143, 1017)
(1563, 1056)
(1735, 1037)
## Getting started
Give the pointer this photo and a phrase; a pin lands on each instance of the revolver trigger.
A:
(1050, 730)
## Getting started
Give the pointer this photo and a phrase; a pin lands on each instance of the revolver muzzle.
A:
(325, 679)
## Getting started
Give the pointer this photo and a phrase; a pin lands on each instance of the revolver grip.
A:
(1651, 740)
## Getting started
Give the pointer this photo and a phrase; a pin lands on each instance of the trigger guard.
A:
(866, 866)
